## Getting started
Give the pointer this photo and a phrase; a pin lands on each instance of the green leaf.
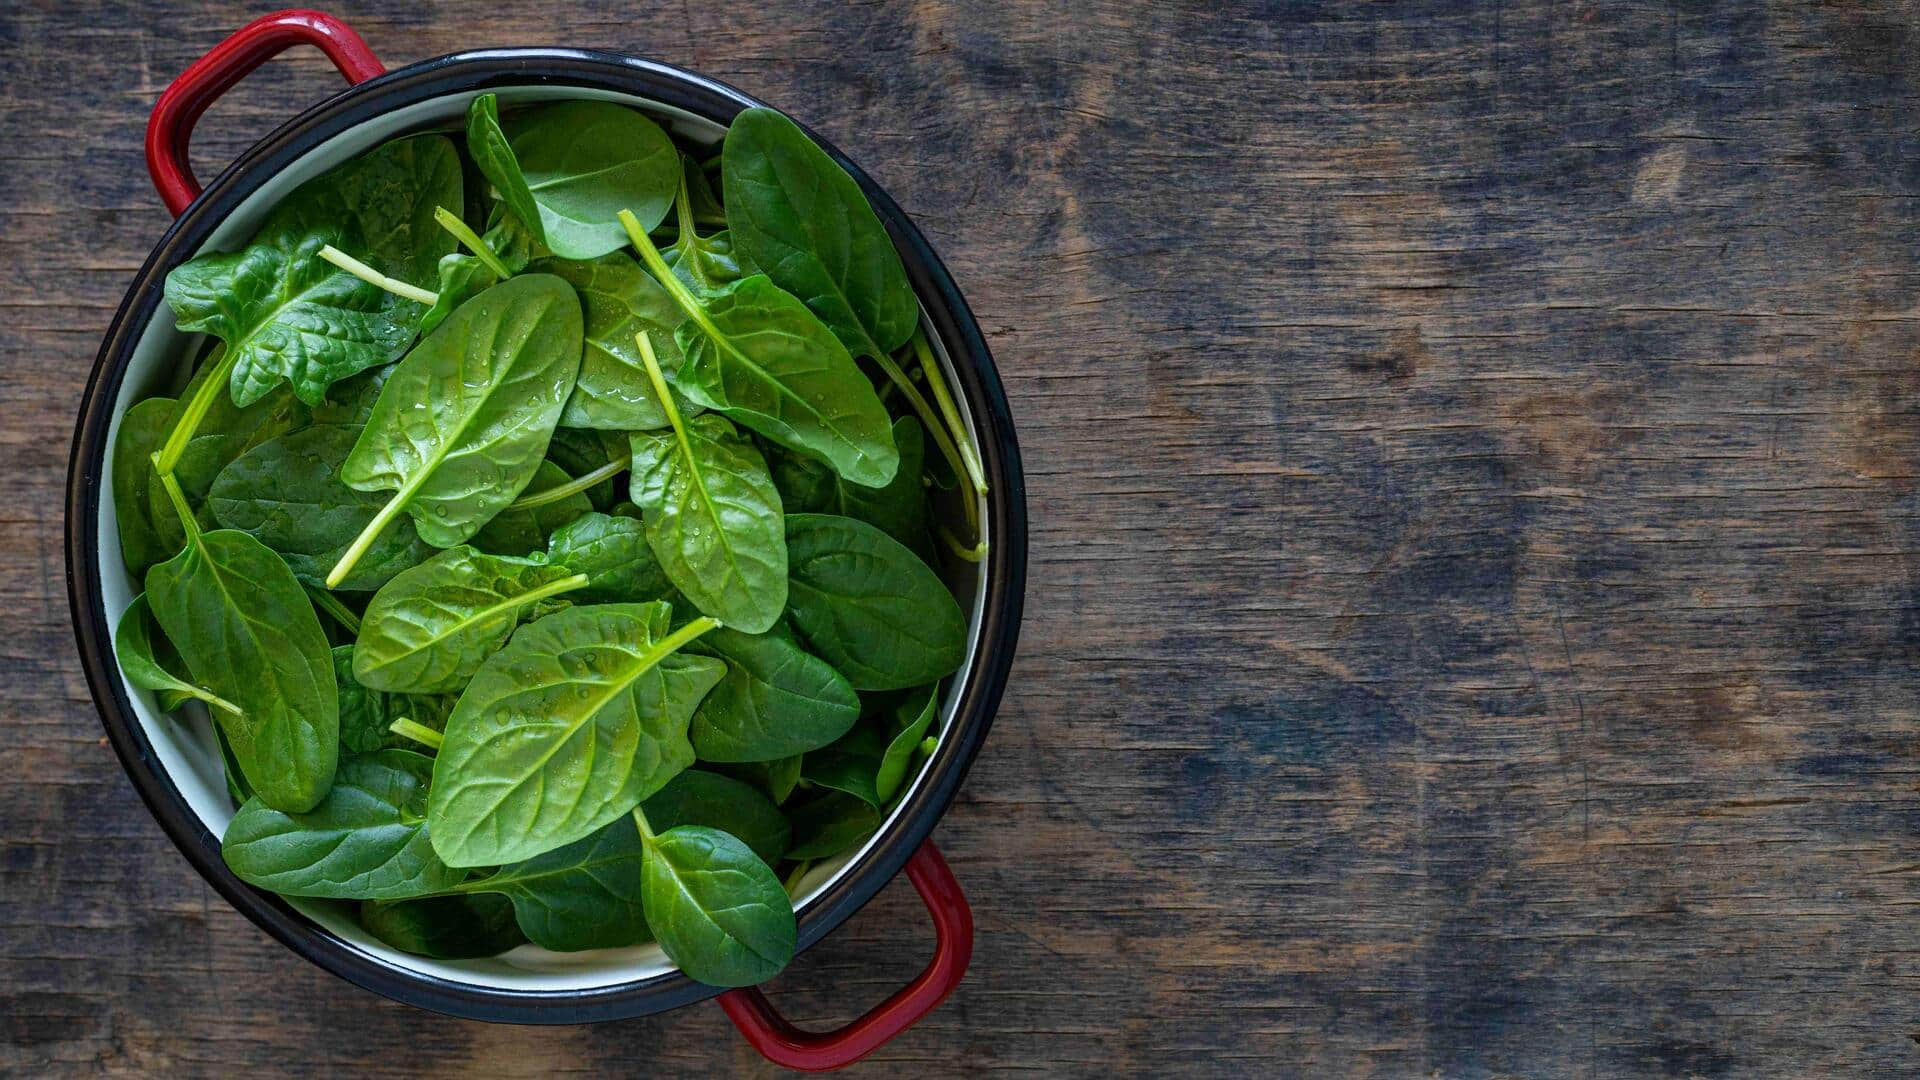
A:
(585, 895)
(851, 765)
(460, 276)
(430, 628)
(491, 150)
(580, 451)
(367, 840)
(522, 531)
(716, 908)
(911, 722)
(800, 218)
(621, 300)
(462, 424)
(445, 927)
(697, 797)
(898, 509)
(349, 402)
(776, 700)
(287, 493)
(614, 554)
(584, 162)
(866, 605)
(195, 472)
(580, 717)
(248, 634)
(142, 429)
(713, 518)
(366, 715)
(829, 824)
(144, 661)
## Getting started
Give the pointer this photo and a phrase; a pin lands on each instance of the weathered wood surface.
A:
(1472, 453)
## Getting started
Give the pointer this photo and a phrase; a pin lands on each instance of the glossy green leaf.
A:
(463, 422)
(287, 493)
(614, 554)
(445, 927)
(911, 722)
(145, 660)
(584, 162)
(525, 531)
(717, 910)
(142, 429)
(776, 700)
(698, 797)
(584, 895)
(493, 153)
(580, 717)
(866, 605)
(898, 509)
(851, 765)
(621, 300)
(367, 840)
(713, 518)
(366, 715)
(829, 824)
(429, 629)
(807, 225)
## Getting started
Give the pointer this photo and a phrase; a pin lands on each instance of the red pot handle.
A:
(784, 1044)
(171, 124)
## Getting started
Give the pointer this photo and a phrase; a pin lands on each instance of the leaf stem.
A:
(935, 429)
(367, 536)
(799, 871)
(331, 604)
(461, 232)
(668, 279)
(939, 384)
(972, 554)
(179, 500)
(189, 419)
(660, 388)
(374, 277)
(646, 831)
(573, 487)
(419, 733)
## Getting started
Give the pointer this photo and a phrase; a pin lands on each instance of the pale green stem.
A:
(367, 536)
(331, 604)
(180, 507)
(573, 487)
(928, 745)
(658, 264)
(419, 733)
(452, 223)
(374, 277)
(935, 429)
(196, 411)
(972, 554)
(660, 388)
(203, 694)
(793, 879)
(939, 384)
(646, 831)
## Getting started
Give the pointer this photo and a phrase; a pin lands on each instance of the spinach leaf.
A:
(580, 451)
(705, 263)
(613, 392)
(614, 554)
(366, 715)
(142, 429)
(493, 153)
(247, 633)
(717, 910)
(868, 606)
(806, 223)
(585, 895)
(713, 519)
(463, 422)
(350, 401)
(367, 840)
(829, 824)
(777, 778)
(776, 700)
(141, 660)
(521, 530)
(198, 467)
(697, 797)
(287, 493)
(237, 787)
(456, 927)
(580, 717)
(430, 628)
(851, 765)
(898, 509)
(911, 723)
(758, 355)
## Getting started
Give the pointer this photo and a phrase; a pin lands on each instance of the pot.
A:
(175, 766)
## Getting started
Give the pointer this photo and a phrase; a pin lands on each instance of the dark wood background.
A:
(1472, 452)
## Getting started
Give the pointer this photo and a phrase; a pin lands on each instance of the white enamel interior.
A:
(185, 743)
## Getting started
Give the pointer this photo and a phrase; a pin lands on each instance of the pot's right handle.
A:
(171, 124)
(784, 1044)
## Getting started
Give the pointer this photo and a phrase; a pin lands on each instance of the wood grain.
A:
(1472, 451)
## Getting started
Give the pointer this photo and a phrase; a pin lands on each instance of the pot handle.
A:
(784, 1044)
(181, 104)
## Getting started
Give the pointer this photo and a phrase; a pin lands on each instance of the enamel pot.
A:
(176, 767)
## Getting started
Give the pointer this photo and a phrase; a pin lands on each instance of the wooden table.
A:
(1472, 451)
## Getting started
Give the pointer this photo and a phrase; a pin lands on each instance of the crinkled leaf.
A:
(776, 700)
(868, 606)
(614, 554)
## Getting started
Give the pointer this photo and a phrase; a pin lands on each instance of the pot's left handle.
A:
(171, 124)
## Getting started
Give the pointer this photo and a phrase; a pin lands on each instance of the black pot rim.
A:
(979, 383)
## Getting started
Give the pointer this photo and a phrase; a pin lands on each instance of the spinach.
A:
(459, 927)
(778, 778)
(567, 170)
(287, 493)
(366, 715)
(706, 263)
(463, 422)
(898, 509)
(518, 531)
(800, 218)
(758, 355)
(716, 909)
(851, 765)
(247, 634)
(712, 515)
(142, 663)
(583, 895)
(776, 700)
(366, 840)
(430, 628)
(866, 605)
(911, 722)
(569, 727)
(142, 429)
(581, 451)
(614, 554)
(621, 301)
(697, 797)
(830, 824)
